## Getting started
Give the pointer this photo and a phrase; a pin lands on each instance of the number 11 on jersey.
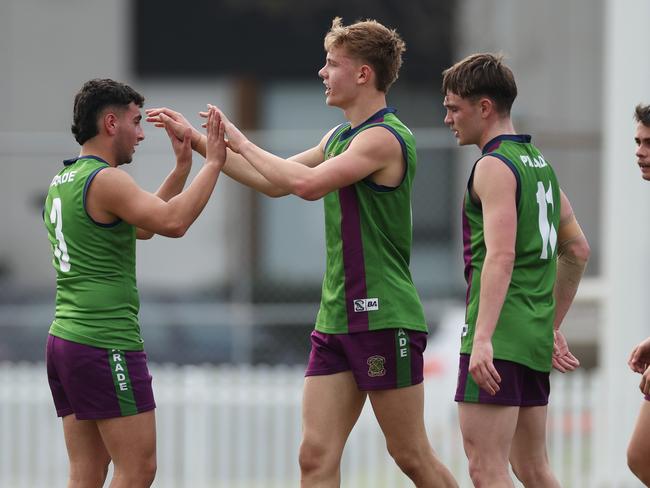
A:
(546, 228)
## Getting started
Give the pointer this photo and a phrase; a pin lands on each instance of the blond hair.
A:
(370, 41)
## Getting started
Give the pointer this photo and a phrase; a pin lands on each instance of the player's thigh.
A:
(640, 442)
(400, 413)
(331, 406)
(84, 442)
(130, 440)
(487, 429)
(529, 442)
(97, 383)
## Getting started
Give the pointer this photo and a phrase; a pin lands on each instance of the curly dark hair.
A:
(95, 95)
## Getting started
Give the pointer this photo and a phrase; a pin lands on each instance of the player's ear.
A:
(109, 123)
(365, 74)
(486, 106)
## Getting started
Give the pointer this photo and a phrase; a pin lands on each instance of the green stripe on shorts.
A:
(122, 382)
(471, 390)
(403, 358)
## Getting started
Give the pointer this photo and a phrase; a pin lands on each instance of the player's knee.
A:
(483, 472)
(312, 456)
(532, 472)
(411, 460)
(147, 470)
(150, 467)
(638, 464)
(89, 474)
(476, 471)
(140, 474)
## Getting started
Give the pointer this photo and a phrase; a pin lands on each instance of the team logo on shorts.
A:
(376, 366)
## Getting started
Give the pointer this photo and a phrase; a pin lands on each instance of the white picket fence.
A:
(239, 427)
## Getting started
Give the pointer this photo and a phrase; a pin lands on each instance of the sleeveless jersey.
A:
(96, 295)
(368, 233)
(524, 331)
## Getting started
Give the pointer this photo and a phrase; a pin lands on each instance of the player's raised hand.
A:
(234, 137)
(168, 118)
(640, 357)
(482, 369)
(182, 148)
(216, 145)
(644, 386)
(563, 360)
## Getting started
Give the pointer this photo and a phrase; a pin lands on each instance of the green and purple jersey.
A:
(368, 233)
(524, 330)
(96, 295)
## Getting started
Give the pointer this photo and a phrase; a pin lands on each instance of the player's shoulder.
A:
(491, 162)
(493, 171)
(110, 181)
(378, 134)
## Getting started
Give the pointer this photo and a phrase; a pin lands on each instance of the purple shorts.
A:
(96, 383)
(379, 360)
(520, 386)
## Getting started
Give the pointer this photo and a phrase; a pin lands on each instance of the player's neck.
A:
(363, 107)
(498, 128)
(99, 149)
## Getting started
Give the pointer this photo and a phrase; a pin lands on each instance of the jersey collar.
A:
(494, 143)
(68, 162)
(373, 119)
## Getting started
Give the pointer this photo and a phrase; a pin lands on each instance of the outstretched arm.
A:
(236, 166)
(117, 194)
(573, 254)
(374, 151)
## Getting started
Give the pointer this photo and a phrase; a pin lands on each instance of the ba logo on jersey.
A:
(376, 366)
(366, 304)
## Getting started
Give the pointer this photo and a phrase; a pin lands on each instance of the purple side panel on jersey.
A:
(467, 253)
(353, 260)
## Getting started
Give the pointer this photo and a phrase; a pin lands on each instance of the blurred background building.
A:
(242, 287)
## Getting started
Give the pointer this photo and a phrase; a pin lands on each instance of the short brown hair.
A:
(372, 42)
(482, 74)
(642, 114)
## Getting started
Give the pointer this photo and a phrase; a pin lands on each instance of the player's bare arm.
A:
(236, 166)
(175, 181)
(495, 186)
(113, 194)
(375, 152)
(573, 253)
